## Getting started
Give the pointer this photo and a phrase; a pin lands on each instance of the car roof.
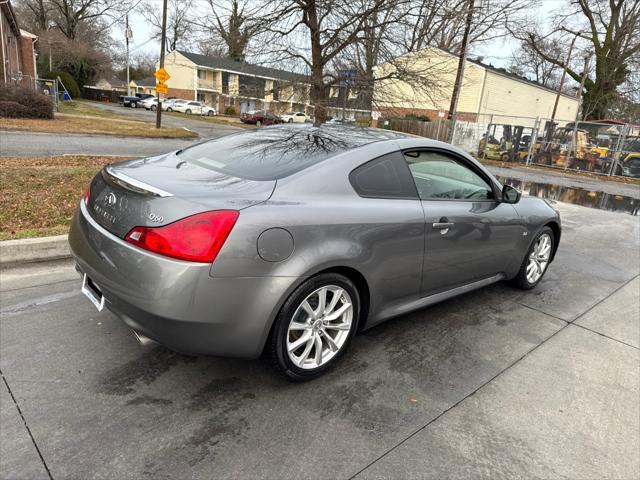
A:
(279, 151)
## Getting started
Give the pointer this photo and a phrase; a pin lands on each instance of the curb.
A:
(34, 250)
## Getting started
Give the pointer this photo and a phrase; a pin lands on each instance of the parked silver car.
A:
(292, 238)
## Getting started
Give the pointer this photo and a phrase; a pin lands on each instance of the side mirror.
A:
(510, 194)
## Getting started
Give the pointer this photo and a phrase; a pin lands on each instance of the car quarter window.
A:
(439, 176)
(383, 177)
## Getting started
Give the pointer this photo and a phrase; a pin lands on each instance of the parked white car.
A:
(169, 105)
(195, 108)
(294, 117)
(150, 103)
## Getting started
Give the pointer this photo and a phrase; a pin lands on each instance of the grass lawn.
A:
(80, 117)
(40, 194)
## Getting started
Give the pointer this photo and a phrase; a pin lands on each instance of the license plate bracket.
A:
(92, 292)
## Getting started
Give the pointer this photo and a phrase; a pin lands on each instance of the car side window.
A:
(383, 177)
(439, 176)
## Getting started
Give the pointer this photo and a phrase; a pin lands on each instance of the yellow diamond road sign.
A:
(162, 88)
(162, 75)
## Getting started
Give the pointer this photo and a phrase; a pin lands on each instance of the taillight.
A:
(197, 238)
(86, 196)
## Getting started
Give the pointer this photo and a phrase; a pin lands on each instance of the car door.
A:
(469, 233)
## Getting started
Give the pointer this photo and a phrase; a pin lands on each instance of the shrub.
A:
(13, 110)
(35, 104)
(422, 118)
(229, 111)
(68, 81)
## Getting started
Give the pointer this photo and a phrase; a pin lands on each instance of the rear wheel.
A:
(291, 120)
(315, 326)
(210, 113)
(153, 108)
(536, 261)
(134, 104)
(187, 111)
(169, 109)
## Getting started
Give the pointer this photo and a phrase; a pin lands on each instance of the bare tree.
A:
(609, 29)
(34, 15)
(179, 21)
(234, 23)
(528, 63)
(315, 33)
(440, 23)
(70, 15)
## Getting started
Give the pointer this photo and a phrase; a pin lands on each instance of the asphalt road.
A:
(23, 144)
(498, 383)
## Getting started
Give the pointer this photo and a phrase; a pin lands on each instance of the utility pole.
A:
(128, 35)
(460, 73)
(163, 40)
(564, 74)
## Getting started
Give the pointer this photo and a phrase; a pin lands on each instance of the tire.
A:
(258, 123)
(153, 108)
(169, 109)
(543, 158)
(291, 120)
(505, 157)
(303, 362)
(134, 105)
(210, 113)
(525, 282)
(187, 111)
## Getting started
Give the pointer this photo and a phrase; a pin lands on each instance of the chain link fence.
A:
(601, 147)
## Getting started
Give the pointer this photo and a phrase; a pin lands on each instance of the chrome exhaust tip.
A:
(142, 340)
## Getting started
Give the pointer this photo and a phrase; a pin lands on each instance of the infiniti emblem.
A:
(110, 200)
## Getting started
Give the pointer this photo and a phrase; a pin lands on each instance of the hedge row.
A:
(17, 102)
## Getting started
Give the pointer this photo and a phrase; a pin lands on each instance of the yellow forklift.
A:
(512, 146)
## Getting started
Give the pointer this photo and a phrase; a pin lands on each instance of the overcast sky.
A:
(497, 52)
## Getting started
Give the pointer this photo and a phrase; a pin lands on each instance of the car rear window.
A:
(277, 152)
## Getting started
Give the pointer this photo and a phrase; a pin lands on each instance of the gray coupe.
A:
(290, 239)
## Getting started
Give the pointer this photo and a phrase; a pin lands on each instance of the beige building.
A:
(223, 83)
(430, 76)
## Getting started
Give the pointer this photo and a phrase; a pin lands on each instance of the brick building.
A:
(17, 54)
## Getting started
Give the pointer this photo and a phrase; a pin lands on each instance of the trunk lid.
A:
(159, 190)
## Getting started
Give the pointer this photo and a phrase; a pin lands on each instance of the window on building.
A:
(228, 102)
(201, 97)
(225, 82)
(202, 75)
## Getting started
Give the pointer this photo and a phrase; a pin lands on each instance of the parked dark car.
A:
(260, 117)
(134, 100)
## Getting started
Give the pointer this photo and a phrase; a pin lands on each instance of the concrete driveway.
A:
(498, 383)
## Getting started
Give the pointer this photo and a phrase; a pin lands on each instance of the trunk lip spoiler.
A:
(132, 184)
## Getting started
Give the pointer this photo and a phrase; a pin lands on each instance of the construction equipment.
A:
(568, 148)
(512, 146)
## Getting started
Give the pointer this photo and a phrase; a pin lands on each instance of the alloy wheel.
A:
(539, 258)
(319, 327)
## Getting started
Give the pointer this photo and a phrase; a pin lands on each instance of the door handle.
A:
(442, 225)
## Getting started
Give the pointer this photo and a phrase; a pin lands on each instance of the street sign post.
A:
(162, 75)
(162, 88)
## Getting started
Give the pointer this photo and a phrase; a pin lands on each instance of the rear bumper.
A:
(178, 304)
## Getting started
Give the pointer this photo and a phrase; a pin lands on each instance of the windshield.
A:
(277, 152)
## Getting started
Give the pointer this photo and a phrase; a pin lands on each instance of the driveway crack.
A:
(33, 440)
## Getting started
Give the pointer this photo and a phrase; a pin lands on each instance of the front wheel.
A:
(188, 112)
(153, 108)
(314, 326)
(210, 113)
(169, 109)
(291, 120)
(536, 261)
